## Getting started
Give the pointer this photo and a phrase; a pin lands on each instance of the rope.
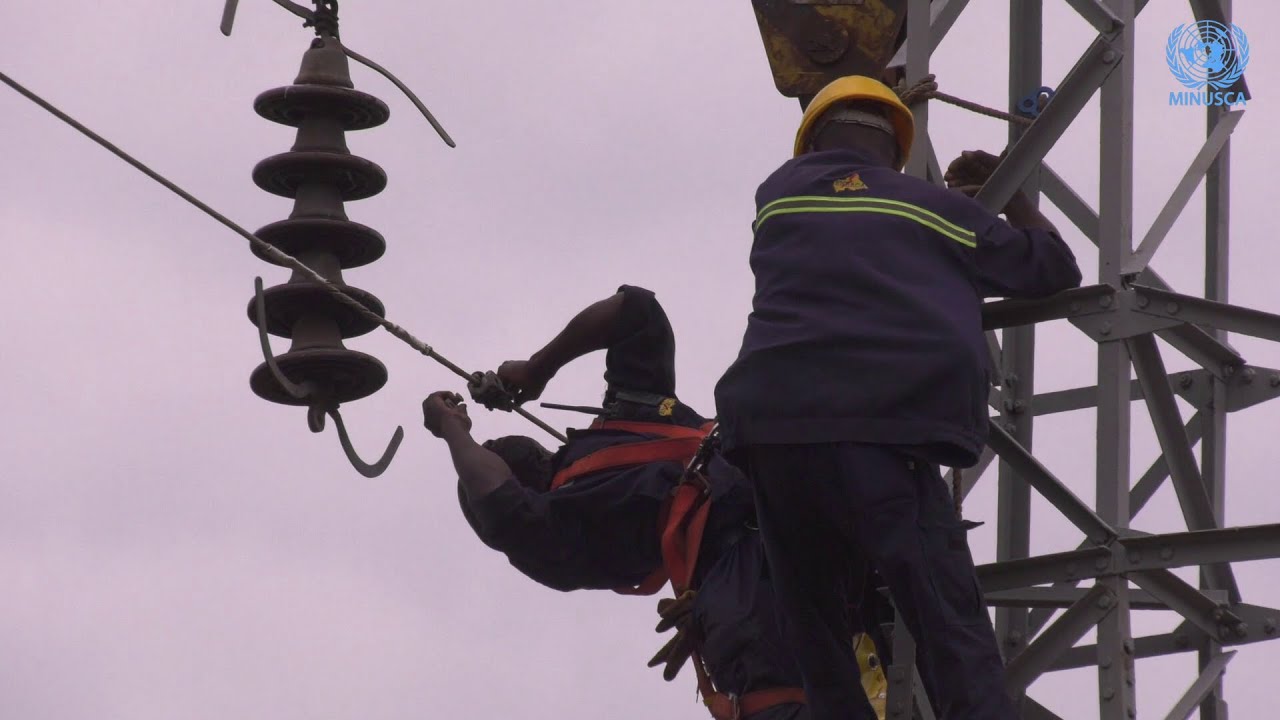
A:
(927, 89)
(265, 247)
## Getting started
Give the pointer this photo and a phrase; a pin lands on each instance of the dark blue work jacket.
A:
(601, 532)
(866, 324)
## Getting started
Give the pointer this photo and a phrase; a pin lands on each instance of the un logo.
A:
(1207, 53)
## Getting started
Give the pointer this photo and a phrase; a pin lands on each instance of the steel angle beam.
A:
(1182, 193)
(1026, 155)
(1050, 487)
(1199, 311)
(1201, 688)
(1038, 657)
(1096, 14)
(942, 15)
(1197, 508)
(1057, 597)
(1070, 303)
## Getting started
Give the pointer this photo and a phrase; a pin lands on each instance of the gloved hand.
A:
(488, 390)
(676, 613)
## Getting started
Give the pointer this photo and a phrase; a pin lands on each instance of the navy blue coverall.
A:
(863, 368)
(601, 531)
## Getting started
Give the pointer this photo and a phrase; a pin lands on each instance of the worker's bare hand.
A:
(442, 409)
(969, 172)
(523, 380)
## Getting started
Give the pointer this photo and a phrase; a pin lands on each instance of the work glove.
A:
(676, 613)
(488, 390)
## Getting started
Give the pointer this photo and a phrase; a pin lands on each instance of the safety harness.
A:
(681, 526)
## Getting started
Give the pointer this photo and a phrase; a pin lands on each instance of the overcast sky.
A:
(171, 546)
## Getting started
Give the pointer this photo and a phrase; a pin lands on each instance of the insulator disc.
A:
(352, 243)
(289, 105)
(346, 374)
(286, 303)
(355, 177)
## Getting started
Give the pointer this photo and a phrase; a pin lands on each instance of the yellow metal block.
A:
(812, 42)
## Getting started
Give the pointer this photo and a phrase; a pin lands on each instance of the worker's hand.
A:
(969, 172)
(523, 379)
(676, 613)
(444, 409)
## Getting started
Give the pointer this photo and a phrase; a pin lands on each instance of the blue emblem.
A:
(1207, 53)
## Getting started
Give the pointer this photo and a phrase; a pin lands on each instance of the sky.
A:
(172, 546)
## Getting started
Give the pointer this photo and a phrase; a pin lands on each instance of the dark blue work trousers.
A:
(834, 511)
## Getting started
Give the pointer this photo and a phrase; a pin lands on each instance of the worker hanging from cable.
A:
(588, 515)
(863, 368)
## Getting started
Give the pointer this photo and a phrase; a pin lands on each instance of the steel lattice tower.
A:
(1116, 570)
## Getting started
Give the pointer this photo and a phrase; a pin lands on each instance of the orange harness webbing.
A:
(675, 443)
(682, 524)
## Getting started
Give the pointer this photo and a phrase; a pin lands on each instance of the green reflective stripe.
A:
(867, 200)
(811, 203)
(946, 232)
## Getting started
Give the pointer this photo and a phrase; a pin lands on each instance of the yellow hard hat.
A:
(858, 87)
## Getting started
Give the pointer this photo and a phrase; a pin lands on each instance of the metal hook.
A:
(229, 13)
(298, 392)
(404, 89)
(228, 18)
(365, 469)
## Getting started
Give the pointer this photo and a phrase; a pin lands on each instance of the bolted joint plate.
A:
(1120, 321)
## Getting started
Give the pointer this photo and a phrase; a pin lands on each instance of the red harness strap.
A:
(681, 526)
(730, 707)
(675, 443)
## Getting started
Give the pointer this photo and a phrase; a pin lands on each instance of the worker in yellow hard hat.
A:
(858, 111)
(863, 369)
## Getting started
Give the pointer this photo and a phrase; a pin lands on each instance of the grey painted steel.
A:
(1186, 600)
(1032, 710)
(901, 675)
(1096, 14)
(942, 15)
(1077, 210)
(1080, 301)
(1217, 315)
(1057, 597)
(1181, 194)
(1207, 351)
(1127, 308)
(1075, 91)
(1219, 11)
(918, 54)
(1074, 565)
(1213, 457)
(1032, 472)
(1237, 544)
(1202, 688)
(1013, 518)
(1079, 619)
(1116, 677)
(1197, 508)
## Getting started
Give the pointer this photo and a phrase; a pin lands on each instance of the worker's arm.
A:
(1024, 257)
(480, 471)
(590, 330)
(505, 515)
